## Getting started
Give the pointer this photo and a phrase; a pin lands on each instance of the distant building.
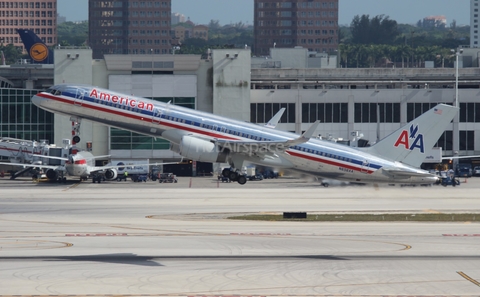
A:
(200, 31)
(474, 20)
(311, 24)
(177, 18)
(129, 27)
(435, 21)
(61, 19)
(41, 17)
(180, 33)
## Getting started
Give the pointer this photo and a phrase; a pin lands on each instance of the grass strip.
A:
(388, 217)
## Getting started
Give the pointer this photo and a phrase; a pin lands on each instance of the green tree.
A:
(378, 30)
(71, 33)
(11, 53)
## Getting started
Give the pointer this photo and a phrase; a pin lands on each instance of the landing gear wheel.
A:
(76, 139)
(242, 179)
(233, 176)
(226, 172)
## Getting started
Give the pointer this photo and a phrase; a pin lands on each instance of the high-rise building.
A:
(178, 18)
(39, 16)
(312, 24)
(129, 27)
(474, 22)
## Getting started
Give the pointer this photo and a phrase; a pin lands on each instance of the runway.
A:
(151, 239)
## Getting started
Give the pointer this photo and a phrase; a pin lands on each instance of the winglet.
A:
(309, 133)
(276, 118)
(306, 135)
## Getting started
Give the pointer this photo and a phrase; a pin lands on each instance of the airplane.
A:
(37, 50)
(206, 137)
(81, 164)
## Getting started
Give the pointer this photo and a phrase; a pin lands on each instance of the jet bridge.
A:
(21, 151)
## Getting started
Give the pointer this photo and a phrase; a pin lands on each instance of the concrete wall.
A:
(231, 83)
(205, 86)
(78, 70)
(290, 57)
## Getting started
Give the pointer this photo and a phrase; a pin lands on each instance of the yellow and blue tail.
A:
(37, 49)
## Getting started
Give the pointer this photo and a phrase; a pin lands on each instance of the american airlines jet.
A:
(206, 137)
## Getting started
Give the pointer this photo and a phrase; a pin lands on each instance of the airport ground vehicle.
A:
(167, 178)
(464, 170)
(447, 181)
(223, 179)
(257, 176)
(476, 171)
(140, 178)
(270, 174)
(122, 177)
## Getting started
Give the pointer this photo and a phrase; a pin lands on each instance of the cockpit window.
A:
(54, 91)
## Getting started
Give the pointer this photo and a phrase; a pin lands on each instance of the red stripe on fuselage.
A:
(136, 117)
(329, 162)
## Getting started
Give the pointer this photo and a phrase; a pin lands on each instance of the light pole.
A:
(175, 48)
(456, 128)
(457, 52)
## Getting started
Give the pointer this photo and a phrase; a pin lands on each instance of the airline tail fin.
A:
(37, 50)
(409, 143)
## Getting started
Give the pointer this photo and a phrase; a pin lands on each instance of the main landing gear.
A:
(234, 175)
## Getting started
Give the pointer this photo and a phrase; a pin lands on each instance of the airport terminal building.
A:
(229, 82)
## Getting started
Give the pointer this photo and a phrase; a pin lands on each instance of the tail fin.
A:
(409, 143)
(36, 48)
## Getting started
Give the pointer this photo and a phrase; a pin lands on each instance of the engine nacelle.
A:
(201, 150)
(111, 174)
(52, 174)
(174, 147)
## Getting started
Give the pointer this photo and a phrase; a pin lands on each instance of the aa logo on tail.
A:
(411, 139)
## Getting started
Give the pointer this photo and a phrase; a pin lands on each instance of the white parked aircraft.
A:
(206, 137)
(82, 165)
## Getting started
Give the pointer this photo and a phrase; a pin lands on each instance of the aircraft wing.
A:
(101, 168)
(266, 147)
(459, 157)
(51, 157)
(54, 167)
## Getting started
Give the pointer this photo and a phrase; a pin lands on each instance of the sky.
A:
(234, 11)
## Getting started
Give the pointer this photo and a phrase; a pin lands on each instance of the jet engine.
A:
(174, 147)
(52, 174)
(111, 174)
(201, 150)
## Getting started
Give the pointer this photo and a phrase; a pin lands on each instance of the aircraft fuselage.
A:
(318, 157)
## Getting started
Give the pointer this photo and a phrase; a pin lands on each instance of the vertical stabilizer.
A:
(35, 47)
(410, 143)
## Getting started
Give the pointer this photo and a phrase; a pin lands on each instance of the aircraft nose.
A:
(37, 100)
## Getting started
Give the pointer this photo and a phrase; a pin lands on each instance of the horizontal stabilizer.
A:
(405, 173)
